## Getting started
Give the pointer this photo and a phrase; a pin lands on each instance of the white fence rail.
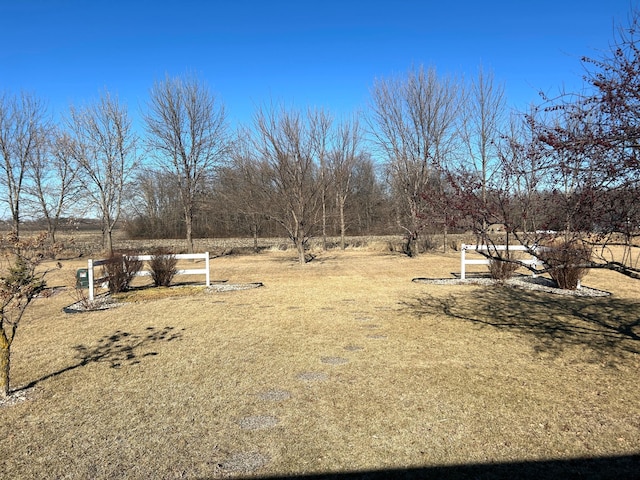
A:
(464, 261)
(91, 264)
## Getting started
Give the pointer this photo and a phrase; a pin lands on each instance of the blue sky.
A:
(304, 53)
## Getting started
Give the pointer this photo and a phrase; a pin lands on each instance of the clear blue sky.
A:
(306, 52)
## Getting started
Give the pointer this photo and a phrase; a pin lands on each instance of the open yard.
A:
(341, 365)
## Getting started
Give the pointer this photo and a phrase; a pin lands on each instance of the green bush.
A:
(163, 267)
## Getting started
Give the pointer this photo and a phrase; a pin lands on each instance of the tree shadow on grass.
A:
(117, 350)
(612, 467)
(605, 325)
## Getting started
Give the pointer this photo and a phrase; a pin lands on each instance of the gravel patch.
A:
(275, 395)
(99, 303)
(17, 397)
(540, 284)
(353, 348)
(257, 422)
(377, 337)
(244, 462)
(233, 287)
(334, 360)
(313, 376)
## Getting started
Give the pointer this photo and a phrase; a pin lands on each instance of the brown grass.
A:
(343, 364)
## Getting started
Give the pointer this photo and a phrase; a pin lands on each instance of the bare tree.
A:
(484, 113)
(154, 208)
(23, 124)
(593, 138)
(343, 159)
(415, 124)
(105, 148)
(187, 133)
(53, 179)
(19, 284)
(240, 186)
(290, 145)
(572, 170)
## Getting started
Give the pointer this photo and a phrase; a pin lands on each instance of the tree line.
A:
(431, 153)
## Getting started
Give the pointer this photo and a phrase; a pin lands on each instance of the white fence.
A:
(145, 258)
(464, 261)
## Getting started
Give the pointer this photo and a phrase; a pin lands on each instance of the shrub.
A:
(163, 267)
(428, 244)
(120, 269)
(503, 268)
(564, 263)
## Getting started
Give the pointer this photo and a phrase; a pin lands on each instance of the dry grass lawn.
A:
(343, 364)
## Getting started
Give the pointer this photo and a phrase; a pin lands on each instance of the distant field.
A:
(340, 365)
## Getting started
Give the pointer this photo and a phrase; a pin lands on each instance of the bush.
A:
(163, 267)
(120, 269)
(503, 268)
(564, 263)
(428, 243)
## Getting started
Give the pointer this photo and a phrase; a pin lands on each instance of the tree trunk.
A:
(445, 231)
(342, 225)
(4, 368)
(109, 240)
(188, 220)
(16, 224)
(300, 248)
(324, 217)
(254, 228)
(51, 232)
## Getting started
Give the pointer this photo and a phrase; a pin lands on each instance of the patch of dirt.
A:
(377, 337)
(334, 360)
(275, 395)
(244, 462)
(353, 348)
(257, 422)
(313, 376)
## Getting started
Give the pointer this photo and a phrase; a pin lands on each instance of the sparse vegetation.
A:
(163, 267)
(502, 268)
(567, 263)
(20, 282)
(120, 269)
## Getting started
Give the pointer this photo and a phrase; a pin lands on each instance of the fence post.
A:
(207, 267)
(90, 275)
(463, 253)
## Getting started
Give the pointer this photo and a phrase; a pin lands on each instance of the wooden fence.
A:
(91, 264)
(464, 261)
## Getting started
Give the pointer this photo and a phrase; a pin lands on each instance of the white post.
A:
(207, 267)
(90, 275)
(463, 253)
